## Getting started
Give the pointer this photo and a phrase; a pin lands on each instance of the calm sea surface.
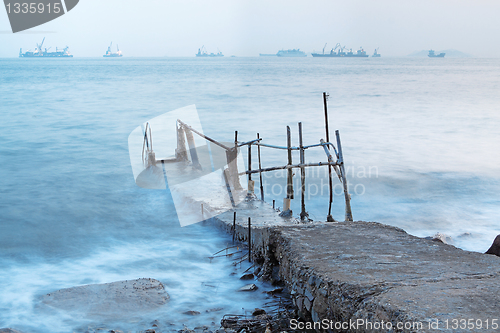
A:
(420, 138)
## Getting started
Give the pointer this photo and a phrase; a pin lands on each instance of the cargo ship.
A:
(432, 54)
(110, 54)
(44, 53)
(202, 52)
(341, 53)
(291, 53)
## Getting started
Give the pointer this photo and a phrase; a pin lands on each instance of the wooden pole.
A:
(303, 214)
(260, 173)
(228, 187)
(249, 162)
(294, 166)
(180, 152)
(234, 227)
(192, 149)
(232, 163)
(289, 191)
(329, 217)
(249, 240)
(348, 212)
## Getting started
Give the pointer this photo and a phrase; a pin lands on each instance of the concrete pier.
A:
(370, 277)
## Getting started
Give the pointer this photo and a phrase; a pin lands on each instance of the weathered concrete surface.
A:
(350, 271)
(110, 299)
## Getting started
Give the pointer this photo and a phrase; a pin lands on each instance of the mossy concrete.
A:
(370, 273)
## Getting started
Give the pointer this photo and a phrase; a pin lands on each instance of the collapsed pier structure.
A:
(349, 276)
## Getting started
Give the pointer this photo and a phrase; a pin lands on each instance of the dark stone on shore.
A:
(9, 330)
(258, 311)
(192, 313)
(247, 277)
(275, 291)
(495, 247)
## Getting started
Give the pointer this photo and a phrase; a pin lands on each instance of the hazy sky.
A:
(250, 27)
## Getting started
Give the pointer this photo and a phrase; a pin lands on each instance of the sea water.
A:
(419, 136)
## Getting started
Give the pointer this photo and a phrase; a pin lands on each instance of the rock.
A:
(192, 313)
(186, 330)
(275, 291)
(116, 298)
(495, 247)
(214, 310)
(247, 277)
(249, 287)
(439, 237)
(9, 330)
(258, 311)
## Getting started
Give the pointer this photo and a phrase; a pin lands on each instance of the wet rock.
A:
(214, 310)
(247, 277)
(286, 213)
(249, 287)
(192, 313)
(258, 311)
(275, 291)
(122, 297)
(186, 330)
(442, 238)
(495, 247)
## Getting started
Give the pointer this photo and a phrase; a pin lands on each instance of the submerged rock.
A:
(249, 276)
(495, 247)
(192, 313)
(110, 299)
(249, 287)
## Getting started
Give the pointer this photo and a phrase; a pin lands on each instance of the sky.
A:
(248, 27)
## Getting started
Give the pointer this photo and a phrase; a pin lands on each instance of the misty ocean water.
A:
(420, 139)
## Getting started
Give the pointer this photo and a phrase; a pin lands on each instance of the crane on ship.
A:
(39, 46)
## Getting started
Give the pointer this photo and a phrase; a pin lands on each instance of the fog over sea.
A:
(420, 138)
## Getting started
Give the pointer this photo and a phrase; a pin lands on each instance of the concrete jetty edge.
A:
(370, 277)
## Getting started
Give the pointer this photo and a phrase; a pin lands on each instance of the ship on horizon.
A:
(432, 54)
(291, 53)
(376, 54)
(202, 52)
(341, 53)
(110, 54)
(41, 53)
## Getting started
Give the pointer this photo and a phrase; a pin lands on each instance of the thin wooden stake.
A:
(260, 173)
(289, 189)
(234, 227)
(180, 152)
(249, 161)
(249, 240)
(192, 148)
(303, 213)
(329, 217)
(348, 212)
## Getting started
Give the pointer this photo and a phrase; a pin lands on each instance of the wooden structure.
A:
(335, 161)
